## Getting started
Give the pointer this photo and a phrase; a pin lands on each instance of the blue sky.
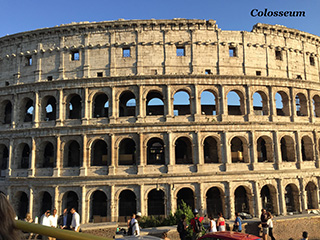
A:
(18, 16)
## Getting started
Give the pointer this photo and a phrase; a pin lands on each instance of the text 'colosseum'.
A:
(91, 116)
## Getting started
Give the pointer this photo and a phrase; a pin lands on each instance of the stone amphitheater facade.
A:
(90, 118)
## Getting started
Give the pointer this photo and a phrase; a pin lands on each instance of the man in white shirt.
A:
(135, 227)
(53, 220)
(75, 223)
(45, 221)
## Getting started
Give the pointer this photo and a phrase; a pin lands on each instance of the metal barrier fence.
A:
(55, 232)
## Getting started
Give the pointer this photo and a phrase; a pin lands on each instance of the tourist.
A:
(182, 227)
(28, 218)
(270, 225)
(53, 220)
(64, 220)
(264, 219)
(237, 226)
(212, 225)
(135, 226)
(221, 223)
(130, 223)
(8, 230)
(75, 222)
(45, 221)
(196, 225)
(305, 236)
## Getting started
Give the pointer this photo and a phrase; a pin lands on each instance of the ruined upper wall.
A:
(149, 47)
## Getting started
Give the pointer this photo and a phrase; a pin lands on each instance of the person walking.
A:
(270, 225)
(136, 227)
(182, 227)
(221, 223)
(45, 221)
(237, 226)
(8, 229)
(196, 224)
(212, 225)
(75, 222)
(64, 220)
(53, 221)
(264, 219)
(130, 223)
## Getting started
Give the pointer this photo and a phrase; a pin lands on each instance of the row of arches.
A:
(128, 152)
(155, 104)
(157, 201)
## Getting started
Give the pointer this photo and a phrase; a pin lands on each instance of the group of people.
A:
(267, 224)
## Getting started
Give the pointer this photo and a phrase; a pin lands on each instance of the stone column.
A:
(282, 201)
(298, 149)
(113, 107)
(61, 110)
(292, 105)
(310, 107)
(303, 195)
(61, 58)
(171, 152)
(196, 102)
(31, 208)
(226, 150)
(257, 199)
(277, 150)
(113, 156)
(86, 107)
(199, 151)
(141, 204)
(56, 200)
(229, 200)
(223, 103)
(113, 212)
(32, 165)
(37, 107)
(201, 199)
(59, 158)
(169, 104)
(272, 104)
(249, 103)
(86, 56)
(141, 112)
(253, 149)
(85, 157)
(38, 59)
(84, 201)
(172, 199)
(11, 158)
(316, 150)
(142, 150)
(112, 53)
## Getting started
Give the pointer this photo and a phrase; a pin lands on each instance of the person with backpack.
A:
(196, 224)
(182, 227)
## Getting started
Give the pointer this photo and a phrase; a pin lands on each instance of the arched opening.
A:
(46, 203)
(183, 151)
(48, 156)
(25, 156)
(155, 104)
(181, 103)
(127, 104)
(268, 196)
(99, 206)
(70, 200)
(23, 205)
(312, 196)
(208, 103)
(282, 104)
(50, 108)
(99, 153)
(7, 112)
(238, 154)
(127, 203)
(187, 196)
(127, 152)
(260, 103)
(215, 201)
(292, 198)
(4, 157)
(156, 204)
(100, 106)
(316, 105)
(72, 150)
(264, 149)
(74, 107)
(287, 149)
(155, 151)
(235, 103)
(301, 105)
(241, 200)
(28, 110)
(211, 150)
(306, 148)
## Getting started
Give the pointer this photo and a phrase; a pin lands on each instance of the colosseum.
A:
(137, 115)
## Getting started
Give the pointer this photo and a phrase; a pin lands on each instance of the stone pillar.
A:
(249, 103)
(113, 212)
(141, 205)
(229, 200)
(277, 150)
(86, 56)
(37, 107)
(257, 199)
(113, 107)
(282, 201)
(199, 150)
(171, 152)
(226, 150)
(32, 165)
(273, 108)
(15, 117)
(140, 109)
(201, 199)
(223, 103)
(196, 103)
(142, 150)
(303, 196)
(113, 156)
(169, 103)
(11, 158)
(56, 200)
(316, 150)
(253, 149)
(112, 53)
(85, 157)
(38, 58)
(61, 110)
(172, 199)
(310, 109)
(84, 201)
(59, 158)
(298, 149)
(292, 105)
(86, 107)
(61, 58)
(31, 208)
